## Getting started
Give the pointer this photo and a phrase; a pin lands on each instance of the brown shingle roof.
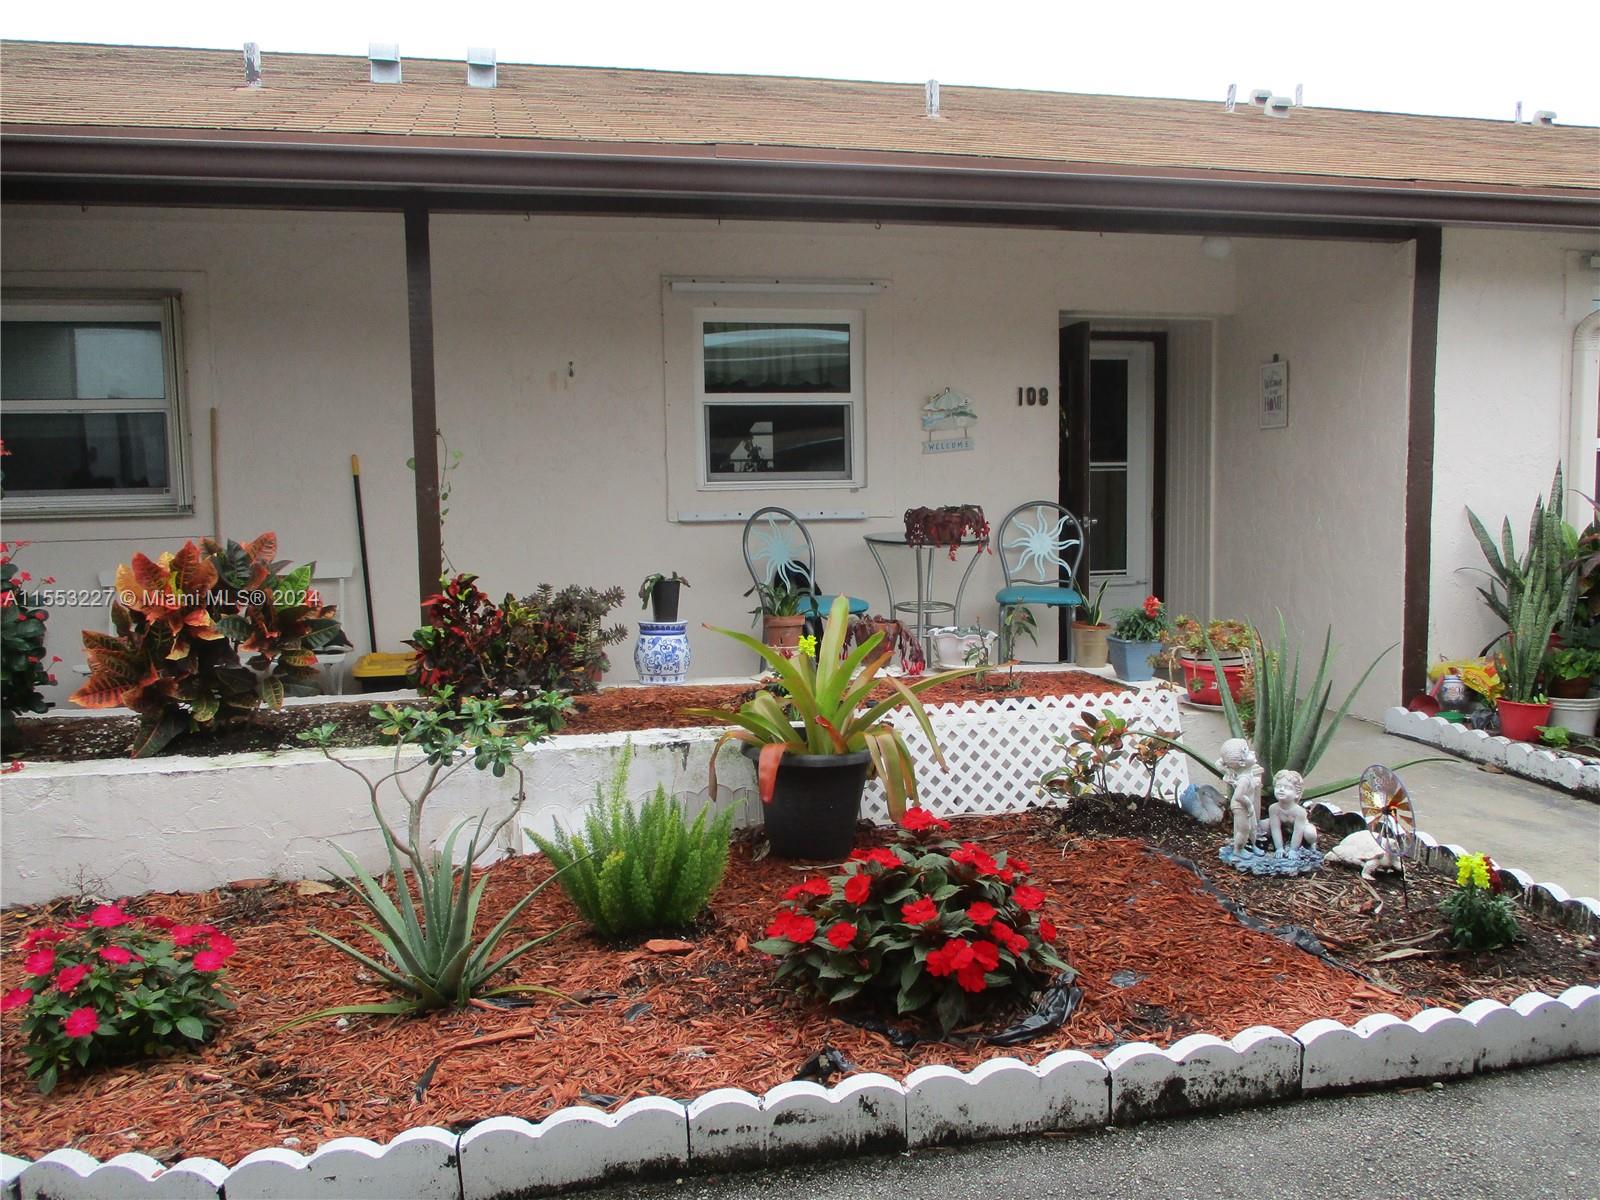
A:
(59, 84)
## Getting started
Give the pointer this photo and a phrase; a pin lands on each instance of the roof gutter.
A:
(841, 182)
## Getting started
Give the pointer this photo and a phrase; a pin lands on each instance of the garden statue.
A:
(1202, 802)
(1362, 849)
(1300, 857)
(1242, 776)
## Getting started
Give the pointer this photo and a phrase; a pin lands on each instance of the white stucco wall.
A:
(298, 337)
(1509, 303)
(1310, 518)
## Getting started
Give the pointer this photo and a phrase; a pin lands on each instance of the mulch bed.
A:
(1158, 958)
(78, 739)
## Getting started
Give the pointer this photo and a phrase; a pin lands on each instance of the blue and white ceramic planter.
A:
(662, 654)
(1131, 660)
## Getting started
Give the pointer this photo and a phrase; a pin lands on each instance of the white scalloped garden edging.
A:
(1570, 772)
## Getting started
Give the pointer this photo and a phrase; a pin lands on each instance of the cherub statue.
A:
(1286, 809)
(1242, 776)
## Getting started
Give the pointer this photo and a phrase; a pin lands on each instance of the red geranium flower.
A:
(919, 819)
(981, 913)
(208, 960)
(918, 911)
(1028, 898)
(811, 887)
(1152, 607)
(841, 934)
(108, 916)
(857, 888)
(81, 1022)
(15, 998)
(71, 977)
(972, 855)
(40, 962)
(120, 955)
(1046, 930)
(885, 858)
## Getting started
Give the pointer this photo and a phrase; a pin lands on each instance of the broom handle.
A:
(361, 535)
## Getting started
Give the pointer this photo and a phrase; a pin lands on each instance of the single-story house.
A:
(1274, 351)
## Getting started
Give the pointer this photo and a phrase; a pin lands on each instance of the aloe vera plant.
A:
(826, 711)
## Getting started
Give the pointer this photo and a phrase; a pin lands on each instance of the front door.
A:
(1121, 469)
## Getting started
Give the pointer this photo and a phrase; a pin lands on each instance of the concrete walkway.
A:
(1553, 836)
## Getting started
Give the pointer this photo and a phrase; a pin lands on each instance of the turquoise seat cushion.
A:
(1038, 593)
(813, 606)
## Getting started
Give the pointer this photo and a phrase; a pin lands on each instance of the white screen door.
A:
(1121, 469)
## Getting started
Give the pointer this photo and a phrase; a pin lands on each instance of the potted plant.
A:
(660, 592)
(1136, 639)
(1186, 647)
(896, 638)
(782, 622)
(945, 527)
(1569, 672)
(1533, 611)
(1089, 631)
(815, 749)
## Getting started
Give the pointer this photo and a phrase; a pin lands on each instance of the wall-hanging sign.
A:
(946, 418)
(1275, 394)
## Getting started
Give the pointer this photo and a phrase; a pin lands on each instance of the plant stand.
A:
(662, 653)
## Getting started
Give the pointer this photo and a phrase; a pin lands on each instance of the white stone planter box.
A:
(1543, 764)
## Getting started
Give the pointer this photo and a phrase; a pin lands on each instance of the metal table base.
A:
(924, 608)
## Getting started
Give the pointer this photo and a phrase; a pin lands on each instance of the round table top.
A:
(899, 539)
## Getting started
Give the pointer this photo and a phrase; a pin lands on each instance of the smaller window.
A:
(90, 397)
(779, 397)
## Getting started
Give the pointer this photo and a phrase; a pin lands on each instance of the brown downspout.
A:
(424, 413)
(1419, 461)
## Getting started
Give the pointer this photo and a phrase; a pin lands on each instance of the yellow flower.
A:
(807, 645)
(1472, 870)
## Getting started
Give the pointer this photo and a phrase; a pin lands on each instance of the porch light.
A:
(1216, 247)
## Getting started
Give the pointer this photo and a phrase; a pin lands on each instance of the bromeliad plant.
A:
(205, 637)
(111, 987)
(426, 939)
(632, 872)
(827, 711)
(1480, 917)
(929, 925)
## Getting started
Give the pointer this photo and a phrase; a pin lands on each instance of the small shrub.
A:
(1480, 917)
(927, 925)
(111, 987)
(23, 670)
(630, 873)
(1150, 622)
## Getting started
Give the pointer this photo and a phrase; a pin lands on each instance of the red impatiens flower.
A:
(81, 1022)
(71, 977)
(15, 998)
(1019, 865)
(208, 960)
(120, 955)
(811, 887)
(184, 935)
(986, 955)
(77, 923)
(885, 858)
(158, 922)
(857, 888)
(42, 937)
(972, 855)
(787, 924)
(919, 820)
(1028, 898)
(1008, 937)
(1152, 606)
(108, 916)
(222, 945)
(919, 911)
(40, 962)
(971, 978)
(981, 913)
(841, 934)
(1046, 930)
(949, 958)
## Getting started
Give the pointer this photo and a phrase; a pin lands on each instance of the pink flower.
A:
(208, 960)
(71, 977)
(119, 955)
(40, 962)
(108, 916)
(15, 998)
(81, 1022)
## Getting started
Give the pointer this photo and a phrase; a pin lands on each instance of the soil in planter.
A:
(77, 739)
(1158, 958)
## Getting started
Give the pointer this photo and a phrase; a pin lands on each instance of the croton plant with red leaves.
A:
(110, 986)
(930, 925)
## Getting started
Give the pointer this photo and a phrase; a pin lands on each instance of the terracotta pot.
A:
(1518, 720)
(1089, 644)
(1200, 680)
(782, 633)
(1570, 689)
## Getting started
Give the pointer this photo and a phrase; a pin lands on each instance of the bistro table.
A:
(924, 609)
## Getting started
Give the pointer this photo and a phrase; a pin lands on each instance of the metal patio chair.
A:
(778, 547)
(1040, 547)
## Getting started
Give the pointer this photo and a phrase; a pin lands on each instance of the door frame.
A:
(1072, 468)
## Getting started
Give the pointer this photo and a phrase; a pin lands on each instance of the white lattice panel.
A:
(996, 750)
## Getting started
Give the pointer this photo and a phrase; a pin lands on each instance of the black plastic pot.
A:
(664, 599)
(815, 804)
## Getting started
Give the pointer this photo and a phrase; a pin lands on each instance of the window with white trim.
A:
(779, 397)
(91, 406)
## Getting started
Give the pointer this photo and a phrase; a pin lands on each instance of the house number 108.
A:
(1032, 396)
